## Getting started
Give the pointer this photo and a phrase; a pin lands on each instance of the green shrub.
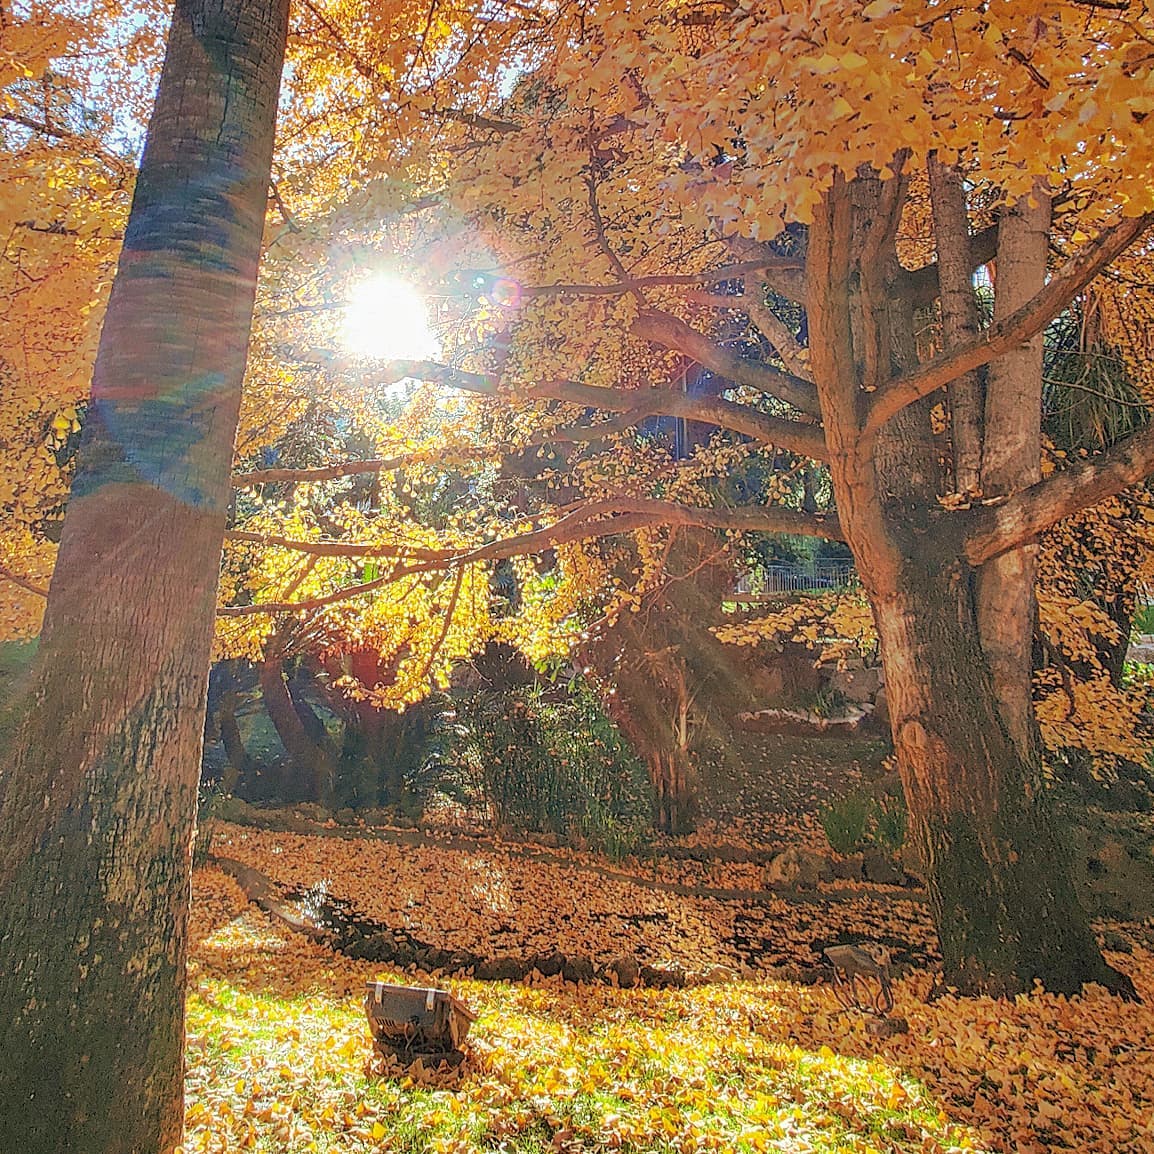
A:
(544, 760)
(844, 822)
(829, 703)
(1144, 619)
(859, 819)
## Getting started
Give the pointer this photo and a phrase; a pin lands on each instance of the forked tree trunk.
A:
(957, 676)
(97, 797)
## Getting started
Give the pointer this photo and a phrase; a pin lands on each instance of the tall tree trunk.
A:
(97, 797)
(1011, 460)
(314, 771)
(960, 319)
(239, 762)
(1001, 893)
(997, 869)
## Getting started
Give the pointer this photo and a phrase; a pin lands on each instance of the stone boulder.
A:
(882, 870)
(857, 685)
(1141, 649)
(798, 869)
(624, 971)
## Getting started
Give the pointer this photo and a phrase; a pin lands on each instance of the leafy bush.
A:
(547, 761)
(844, 822)
(829, 702)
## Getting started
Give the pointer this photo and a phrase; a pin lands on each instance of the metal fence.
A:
(771, 580)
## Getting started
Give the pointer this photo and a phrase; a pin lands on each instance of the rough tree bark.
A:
(1000, 890)
(97, 797)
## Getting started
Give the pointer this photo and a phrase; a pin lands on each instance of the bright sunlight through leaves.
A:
(387, 318)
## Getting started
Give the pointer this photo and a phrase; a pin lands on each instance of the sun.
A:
(386, 318)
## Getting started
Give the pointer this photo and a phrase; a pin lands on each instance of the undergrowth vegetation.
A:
(546, 760)
(861, 819)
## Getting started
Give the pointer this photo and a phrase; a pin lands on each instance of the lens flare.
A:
(387, 319)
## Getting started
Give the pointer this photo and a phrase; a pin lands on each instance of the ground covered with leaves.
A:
(498, 899)
(280, 1053)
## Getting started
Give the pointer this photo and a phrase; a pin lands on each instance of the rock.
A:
(663, 977)
(380, 947)
(501, 970)
(912, 861)
(798, 868)
(309, 811)
(625, 969)
(460, 961)
(1141, 650)
(886, 1027)
(577, 970)
(881, 707)
(882, 870)
(433, 958)
(805, 723)
(1116, 941)
(548, 965)
(857, 685)
(404, 955)
(848, 868)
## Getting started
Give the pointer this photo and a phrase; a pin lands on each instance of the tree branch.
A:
(322, 473)
(790, 272)
(994, 530)
(595, 520)
(326, 548)
(922, 283)
(673, 333)
(776, 331)
(796, 437)
(6, 574)
(43, 128)
(1014, 330)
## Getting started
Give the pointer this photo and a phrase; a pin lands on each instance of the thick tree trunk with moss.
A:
(996, 866)
(98, 793)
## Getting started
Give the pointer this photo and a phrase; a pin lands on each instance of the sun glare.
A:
(387, 318)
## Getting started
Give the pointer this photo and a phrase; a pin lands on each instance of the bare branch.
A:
(994, 530)
(796, 437)
(475, 120)
(445, 624)
(1014, 330)
(674, 333)
(6, 574)
(776, 331)
(43, 128)
(789, 271)
(326, 548)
